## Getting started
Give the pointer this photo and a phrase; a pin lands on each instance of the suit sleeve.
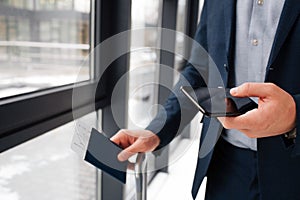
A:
(177, 111)
(296, 151)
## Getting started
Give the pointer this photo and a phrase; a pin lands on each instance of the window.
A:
(46, 168)
(43, 44)
(34, 112)
(201, 2)
(143, 62)
(143, 71)
(180, 43)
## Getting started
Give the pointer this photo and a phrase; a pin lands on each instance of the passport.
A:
(98, 150)
(102, 153)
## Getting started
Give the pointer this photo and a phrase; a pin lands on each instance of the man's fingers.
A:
(128, 152)
(116, 139)
(254, 90)
(124, 138)
(135, 141)
(124, 155)
(245, 121)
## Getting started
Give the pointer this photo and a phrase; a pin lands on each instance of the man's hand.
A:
(135, 141)
(276, 112)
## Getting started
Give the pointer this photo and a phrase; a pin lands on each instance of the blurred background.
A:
(44, 44)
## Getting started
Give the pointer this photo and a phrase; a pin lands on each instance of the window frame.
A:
(29, 115)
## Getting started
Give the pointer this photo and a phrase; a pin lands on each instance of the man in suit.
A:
(255, 45)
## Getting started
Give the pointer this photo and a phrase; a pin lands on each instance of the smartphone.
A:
(218, 102)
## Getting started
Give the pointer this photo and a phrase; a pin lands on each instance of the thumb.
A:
(253, 90)
(128, 152)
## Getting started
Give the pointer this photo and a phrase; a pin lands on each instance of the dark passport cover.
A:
(102, 153)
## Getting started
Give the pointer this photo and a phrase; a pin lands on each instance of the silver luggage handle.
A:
(140, 172)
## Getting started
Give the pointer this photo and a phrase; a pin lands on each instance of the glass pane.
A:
(143, 61)
(46, 168)
(43, 44)
(144, 71)
(180, 43)
(201, 2)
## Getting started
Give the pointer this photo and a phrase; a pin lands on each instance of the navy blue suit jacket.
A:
(278, 158)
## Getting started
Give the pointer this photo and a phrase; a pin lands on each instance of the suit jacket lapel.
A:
(288, 17)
